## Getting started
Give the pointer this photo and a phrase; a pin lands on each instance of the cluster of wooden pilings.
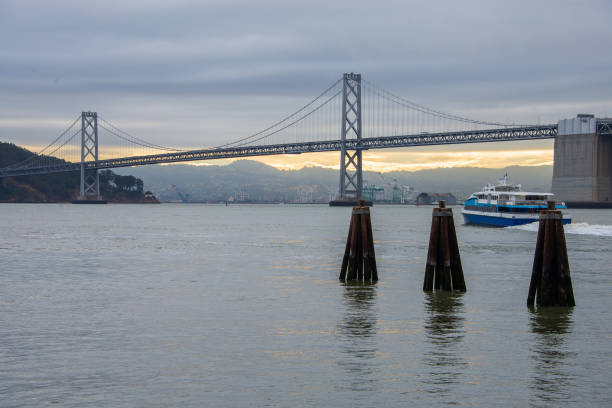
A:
(551, 284)
(443, 269)
(359, 261)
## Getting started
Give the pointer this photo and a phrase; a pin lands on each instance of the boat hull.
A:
(497, 220)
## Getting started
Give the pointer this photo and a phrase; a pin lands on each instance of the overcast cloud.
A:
(193, 73)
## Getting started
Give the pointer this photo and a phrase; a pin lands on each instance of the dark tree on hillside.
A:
(128, 183)
(59, 187)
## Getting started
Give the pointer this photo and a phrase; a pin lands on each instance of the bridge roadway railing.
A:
(422, 139)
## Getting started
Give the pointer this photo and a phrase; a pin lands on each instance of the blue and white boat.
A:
(505, 204)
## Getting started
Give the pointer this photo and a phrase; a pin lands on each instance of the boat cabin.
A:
(506, 197)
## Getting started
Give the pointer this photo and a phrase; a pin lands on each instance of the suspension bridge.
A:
(349, 116)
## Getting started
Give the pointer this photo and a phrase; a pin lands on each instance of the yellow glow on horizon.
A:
(388, 161)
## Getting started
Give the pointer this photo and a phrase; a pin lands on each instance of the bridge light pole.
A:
(351, 179)
(90, 179)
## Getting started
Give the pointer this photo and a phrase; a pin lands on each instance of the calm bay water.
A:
(214, 306)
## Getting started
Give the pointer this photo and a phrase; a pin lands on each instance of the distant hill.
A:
(61, 187)
(255, 181)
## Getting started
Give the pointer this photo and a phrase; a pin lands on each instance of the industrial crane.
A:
(184, 198)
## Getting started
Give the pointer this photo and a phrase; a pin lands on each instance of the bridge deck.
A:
(422, 139)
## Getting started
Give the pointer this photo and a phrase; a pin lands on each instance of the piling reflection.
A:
(551, 326)
(358, 329)
(444, 328)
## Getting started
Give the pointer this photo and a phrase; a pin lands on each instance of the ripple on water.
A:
(204, 305)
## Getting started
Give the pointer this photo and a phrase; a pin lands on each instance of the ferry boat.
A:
(505, 204)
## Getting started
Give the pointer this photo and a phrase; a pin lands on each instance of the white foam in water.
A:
(580, 228)
(533, 227)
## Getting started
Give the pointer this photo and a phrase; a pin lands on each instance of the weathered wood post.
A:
(359, 261)
(443, 269)
(551, 283)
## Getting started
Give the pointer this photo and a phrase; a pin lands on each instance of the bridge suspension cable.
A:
(132, 139)
(325, 103)
(385, 120)
(68, 140)
(322, 100)
(40, 153)
(285, 123)
(426, 110)
(384, 113)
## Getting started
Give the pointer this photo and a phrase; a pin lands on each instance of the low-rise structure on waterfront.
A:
(434, 198)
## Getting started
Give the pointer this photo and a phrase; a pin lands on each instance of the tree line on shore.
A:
(61, 187)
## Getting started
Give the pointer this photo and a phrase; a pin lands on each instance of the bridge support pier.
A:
(89, 192)
(351, 179)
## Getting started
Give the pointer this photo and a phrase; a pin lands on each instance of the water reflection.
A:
(551, 326)
(444, 328)
(358, 329)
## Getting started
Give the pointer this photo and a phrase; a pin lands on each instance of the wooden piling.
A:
(443, 269)
(359, 261)
(551, 283)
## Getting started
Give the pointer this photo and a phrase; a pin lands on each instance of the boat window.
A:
(534, 197)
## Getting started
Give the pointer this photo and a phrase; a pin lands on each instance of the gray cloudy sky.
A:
(195, 73)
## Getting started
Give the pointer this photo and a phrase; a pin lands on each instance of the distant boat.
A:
(505, 204)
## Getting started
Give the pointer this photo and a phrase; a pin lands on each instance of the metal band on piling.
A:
(442, 214)
(551, 216)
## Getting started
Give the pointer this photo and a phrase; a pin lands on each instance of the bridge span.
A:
(369, 118)
(424, 139)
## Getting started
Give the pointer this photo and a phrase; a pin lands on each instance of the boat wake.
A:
(579, 228)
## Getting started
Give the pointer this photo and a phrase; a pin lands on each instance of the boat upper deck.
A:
(508, 195)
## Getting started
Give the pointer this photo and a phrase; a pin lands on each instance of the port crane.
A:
(184, 197)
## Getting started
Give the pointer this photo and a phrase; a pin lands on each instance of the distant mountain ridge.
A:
(255, 181)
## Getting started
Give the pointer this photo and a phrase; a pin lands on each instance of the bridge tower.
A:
(90, 179)
(582, 172)
(351, 179)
